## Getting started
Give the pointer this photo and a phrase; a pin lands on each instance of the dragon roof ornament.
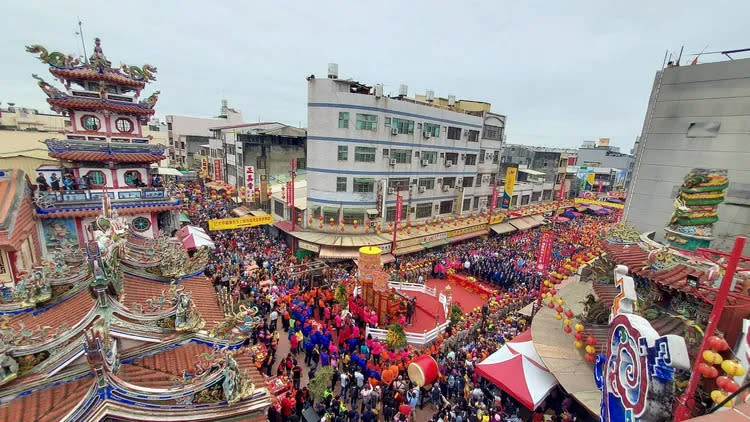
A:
(97, 62)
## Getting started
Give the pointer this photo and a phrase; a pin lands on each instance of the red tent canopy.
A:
(518, 370)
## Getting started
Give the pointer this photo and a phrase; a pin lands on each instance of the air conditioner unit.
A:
(448, 163)
(391, 191)
(445, 188)
(459, 181)
(427, 134)
(424, 163)
(422, 189)
(393, 162)
(394, 131)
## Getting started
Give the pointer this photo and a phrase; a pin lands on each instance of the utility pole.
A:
(292, 208)
(686, 401)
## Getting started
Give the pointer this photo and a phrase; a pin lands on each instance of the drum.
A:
(424, 370)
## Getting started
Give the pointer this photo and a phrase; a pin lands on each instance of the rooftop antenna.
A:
(83, 44)
(680, 56)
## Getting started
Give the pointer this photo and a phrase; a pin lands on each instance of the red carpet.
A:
(428, 306)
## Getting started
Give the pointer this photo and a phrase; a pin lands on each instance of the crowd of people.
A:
(366, 379)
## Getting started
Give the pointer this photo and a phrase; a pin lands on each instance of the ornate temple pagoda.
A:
(126, 327)
(104, 151)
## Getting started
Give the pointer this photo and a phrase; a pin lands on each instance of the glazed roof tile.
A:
(93, 75)
(50, 404)
(120, 157)
(92, 104)
(139, 290)
(70, 311)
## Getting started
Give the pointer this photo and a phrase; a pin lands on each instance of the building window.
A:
(495, 157)
(493, 132)
(132, 178)
(96, 178)
(124, 125)
(353, 214)
(402, 156)
(343, 152)
(278, 208)
(446, 207)
(482, 153)
(476, 203)
(90, 122)
(341, 184)
(471, 159)
(390, 213)
(454, 132)
(473, 136)
(432, 128)
(479, 180)
(525, 200)
(424, 210)
(364, 185)
(141, 224)
(394, 182)
(452, 157)
(468, 181)
(301, 163)
(331, 214)
(430, 156)
(427, 182)
(343, 119)
(364, 154)
(449, 181)
(367, 121)
(467, 205)
(403, 126)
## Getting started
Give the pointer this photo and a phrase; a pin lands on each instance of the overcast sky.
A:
(560, 73)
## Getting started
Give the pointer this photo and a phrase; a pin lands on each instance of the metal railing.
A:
(78, 196)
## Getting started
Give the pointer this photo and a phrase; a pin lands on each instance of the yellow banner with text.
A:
(239, 222)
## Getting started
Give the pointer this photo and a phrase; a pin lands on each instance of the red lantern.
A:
(732, 386)
(559, 309)
(590, 358)
(591, 341)
(717, 343)
(723, 380)
(553, 292)
(569, 313)
(579, 336)
(567, 329)
(551, 305)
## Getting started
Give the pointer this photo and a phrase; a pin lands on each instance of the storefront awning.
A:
(331, 209)
(241, 211)
(469, 235)
(538, 217)
(332, 252)
(169, 171)
(531, 172)
(503, 228)
(524, 223)
(532, 222)
(354, 211)
(435, 243)
(385, 258)
(408, 249)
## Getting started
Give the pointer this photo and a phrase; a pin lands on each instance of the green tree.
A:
(320, 382)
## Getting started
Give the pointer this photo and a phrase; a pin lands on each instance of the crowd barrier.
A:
(411, 338)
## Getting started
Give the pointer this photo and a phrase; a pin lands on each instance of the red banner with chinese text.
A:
(545, 251)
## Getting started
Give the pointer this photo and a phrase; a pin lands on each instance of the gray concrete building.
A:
(604, 155)
(697, 117)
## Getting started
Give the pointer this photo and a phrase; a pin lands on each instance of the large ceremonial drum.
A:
(424, 370)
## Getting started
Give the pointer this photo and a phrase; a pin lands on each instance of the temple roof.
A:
(104, 156)
(65, 313)
(80, 150)
(95, 104)
(49, 404)
(84, 73)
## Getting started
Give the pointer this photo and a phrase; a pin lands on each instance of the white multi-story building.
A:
(363, 146)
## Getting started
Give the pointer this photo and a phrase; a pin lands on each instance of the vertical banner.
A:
(510, 180)
(204, 167)
(591, 178)
(217, 171)
(290, 193)
(399, 205)
(380, 198)
(545, 252)
(493, 203)
(599, 189)
(249, 178)
(562, 190)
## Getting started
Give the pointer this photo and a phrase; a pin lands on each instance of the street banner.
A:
(249, 178)
(591, 178)
(289, 194)
(217, 171)
(510, 180)
(545, 251)
(399, 204)
(493, 204)
(204, 167)
(239, 222)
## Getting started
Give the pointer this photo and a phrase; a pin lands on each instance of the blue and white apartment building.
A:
(363, 146)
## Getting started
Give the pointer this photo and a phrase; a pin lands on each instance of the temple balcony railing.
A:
(87, 196)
